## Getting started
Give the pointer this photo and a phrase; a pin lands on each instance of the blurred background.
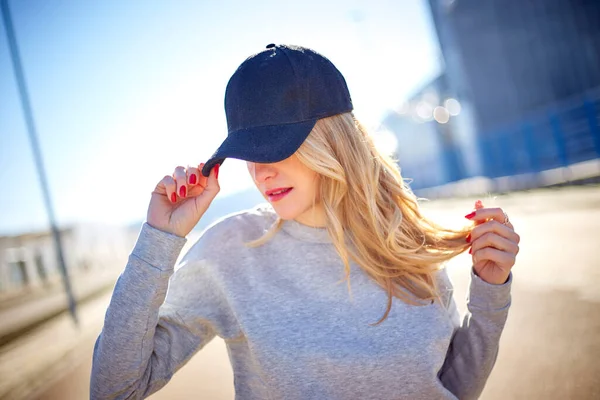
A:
(498, 100)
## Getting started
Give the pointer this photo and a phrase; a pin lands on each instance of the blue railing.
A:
(558, 136)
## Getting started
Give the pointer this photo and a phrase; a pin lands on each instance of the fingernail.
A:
(468, 239)
(173, 197)
(471, 215)
(217, 171)
(470, 250)
(193, 179)
(182, 191)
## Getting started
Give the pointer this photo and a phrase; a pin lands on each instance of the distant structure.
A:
(523, 78)
(428, 127)
(28, 261)
(31, 289)
(527, 74)
(511, 58)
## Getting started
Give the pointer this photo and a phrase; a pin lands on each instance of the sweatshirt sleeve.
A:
(157, 319)
(474, 346)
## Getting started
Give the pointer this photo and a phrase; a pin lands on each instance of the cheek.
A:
(311, 187)
(251, 170)
(314, 182)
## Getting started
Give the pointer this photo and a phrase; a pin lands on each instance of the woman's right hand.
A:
(179, 200)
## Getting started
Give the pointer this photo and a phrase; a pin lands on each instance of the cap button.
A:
(270, 45)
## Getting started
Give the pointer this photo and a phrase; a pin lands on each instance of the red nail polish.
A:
(217, 171)
(182, 191)
(468, 238)
(471, 250)
(193, 179)
(471, 215)
(173, 197)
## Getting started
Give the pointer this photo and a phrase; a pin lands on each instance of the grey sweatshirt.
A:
(291, 327)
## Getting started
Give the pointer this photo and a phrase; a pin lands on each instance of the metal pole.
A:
(16, 60)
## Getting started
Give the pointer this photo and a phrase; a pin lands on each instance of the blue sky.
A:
(124, 91)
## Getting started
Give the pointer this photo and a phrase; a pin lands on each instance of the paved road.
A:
(551, 345)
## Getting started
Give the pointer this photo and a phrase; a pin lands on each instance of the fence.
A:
(563, 135)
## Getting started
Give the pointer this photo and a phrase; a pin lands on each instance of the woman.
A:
(267, 280)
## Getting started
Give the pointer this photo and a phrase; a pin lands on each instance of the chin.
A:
(286, 213)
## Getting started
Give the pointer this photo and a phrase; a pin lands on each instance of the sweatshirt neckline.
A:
(306, 233)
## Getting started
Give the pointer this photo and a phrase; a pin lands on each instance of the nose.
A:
(261, 172)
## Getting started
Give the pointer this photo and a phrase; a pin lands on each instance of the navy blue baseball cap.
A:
(273, 101)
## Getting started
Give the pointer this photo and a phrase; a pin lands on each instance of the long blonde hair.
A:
(369, 206)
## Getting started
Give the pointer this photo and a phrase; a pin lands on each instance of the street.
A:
(551, 343)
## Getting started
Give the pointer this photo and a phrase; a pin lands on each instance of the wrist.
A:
(158, 248)
(496, 280)
(165, 229)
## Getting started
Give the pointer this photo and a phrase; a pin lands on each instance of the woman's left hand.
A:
(494, 244)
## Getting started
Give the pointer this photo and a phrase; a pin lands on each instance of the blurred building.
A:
(428, 131)
(528, 72)
(28, 261)
(512, 57)
(31, 285)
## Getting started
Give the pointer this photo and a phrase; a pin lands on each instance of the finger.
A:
(491, 239)
(212, 182)
(200, 186)
(167, 188)
(496, 214)
(181, 178)
(192, 175)
(202, 180)
(478, 206)
(509, 225)
(502, 258)
(496, 227)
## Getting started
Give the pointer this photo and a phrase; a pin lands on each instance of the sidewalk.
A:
(31, 363)
(44, 305)
(477, 186)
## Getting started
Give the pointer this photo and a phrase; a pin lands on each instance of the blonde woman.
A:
(269, 280)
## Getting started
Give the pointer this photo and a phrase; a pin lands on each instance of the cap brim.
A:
(262, 144)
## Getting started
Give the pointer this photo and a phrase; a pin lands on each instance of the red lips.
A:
(271, 191)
